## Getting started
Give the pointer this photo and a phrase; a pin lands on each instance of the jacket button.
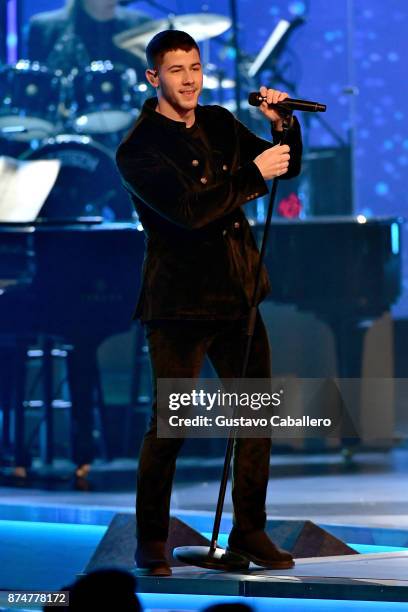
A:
(195, 162)
(236, 225)
(204, 180)
(225, 167)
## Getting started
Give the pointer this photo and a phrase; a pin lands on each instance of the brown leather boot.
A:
(151, 558)
(256, 546)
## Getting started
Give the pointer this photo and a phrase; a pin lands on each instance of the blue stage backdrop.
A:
(350, 55)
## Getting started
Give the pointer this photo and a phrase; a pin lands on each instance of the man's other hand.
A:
(273, 162)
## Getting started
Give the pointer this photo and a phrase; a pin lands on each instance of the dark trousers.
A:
(177, 350)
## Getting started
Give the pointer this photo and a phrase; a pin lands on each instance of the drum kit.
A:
(78, 119)
(81, 117)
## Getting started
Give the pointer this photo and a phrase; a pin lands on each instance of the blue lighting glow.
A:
(230, 54)
(381, 188)
(395, 238)
(297, 8)
(12, 40)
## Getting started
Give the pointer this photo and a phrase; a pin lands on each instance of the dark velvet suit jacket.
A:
(201, 257)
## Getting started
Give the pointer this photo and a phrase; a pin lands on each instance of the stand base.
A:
(204, 556)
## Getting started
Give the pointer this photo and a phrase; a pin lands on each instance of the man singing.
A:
(189, 169)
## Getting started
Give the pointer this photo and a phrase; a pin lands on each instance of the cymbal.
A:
(201, 26)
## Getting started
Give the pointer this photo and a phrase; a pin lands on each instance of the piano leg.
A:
(48, 451)
(349, 341)
(13, 398)
(6, 385)
(21, 454)
(83, 375)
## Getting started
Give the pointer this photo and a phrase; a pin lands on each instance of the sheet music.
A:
(24, 187)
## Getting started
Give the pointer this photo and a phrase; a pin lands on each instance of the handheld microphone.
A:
(255, 99)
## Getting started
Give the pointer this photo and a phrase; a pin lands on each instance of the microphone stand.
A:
(213, 557)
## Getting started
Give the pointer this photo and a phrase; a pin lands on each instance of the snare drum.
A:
(103, 97)
(30, 95)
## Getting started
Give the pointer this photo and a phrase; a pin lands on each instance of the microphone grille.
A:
(254, 99)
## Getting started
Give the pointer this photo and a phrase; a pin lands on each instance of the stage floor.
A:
(380, 577)
(49, 536)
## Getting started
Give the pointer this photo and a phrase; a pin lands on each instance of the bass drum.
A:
(88, 183)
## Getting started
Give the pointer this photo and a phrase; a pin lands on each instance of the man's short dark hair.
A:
(168, 40)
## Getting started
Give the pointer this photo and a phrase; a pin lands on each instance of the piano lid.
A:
(24, 187)
(336, 220)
